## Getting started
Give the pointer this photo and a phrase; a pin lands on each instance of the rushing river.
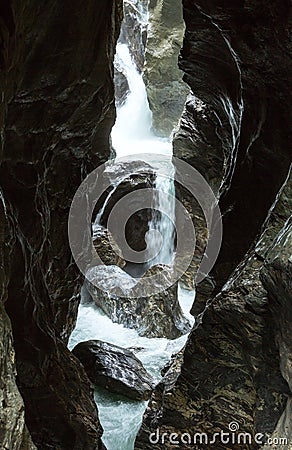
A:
(121, 418)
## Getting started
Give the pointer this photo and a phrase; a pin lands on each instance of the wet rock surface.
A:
(13, 431)
(276, 277)
(235, 365)
(56, 113)
(106, 248)
(115, 369)
(122, 88)
(165, 89)
(128, 301)
(196, 214)
(237, 119)
(123, 178)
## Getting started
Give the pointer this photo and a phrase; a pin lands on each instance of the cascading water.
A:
(121, 418)
(133, 122)
(132, 135)
(164, 224)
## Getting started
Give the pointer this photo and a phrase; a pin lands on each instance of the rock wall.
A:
(134, 30)
(13, 431)
(236, 359)
(235, 131)
(276, 277)
(165, 89)
(134, 34)
(235, 127)
(56, 115)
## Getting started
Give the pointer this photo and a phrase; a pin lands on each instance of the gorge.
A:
(228, 362)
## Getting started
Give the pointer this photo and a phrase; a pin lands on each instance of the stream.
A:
(131, 134)
(119, 417)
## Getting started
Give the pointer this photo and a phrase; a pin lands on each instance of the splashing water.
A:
(131, 135)
(119, 417)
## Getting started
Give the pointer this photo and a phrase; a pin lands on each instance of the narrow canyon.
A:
(163, 340)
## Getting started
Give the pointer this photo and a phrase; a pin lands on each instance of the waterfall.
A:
(100, 213)
(133, 120)
(164, 224)
(119, 417)
(132, 135)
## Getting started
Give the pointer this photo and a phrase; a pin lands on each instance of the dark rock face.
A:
(115, 368)
(231, 367)
(199, 222)
(237, 67)
(156, 315)
(277, 278)
(134, 30)
(56, 114)
(125, 178)
(235, 364)
(13, 431)
(121, 87)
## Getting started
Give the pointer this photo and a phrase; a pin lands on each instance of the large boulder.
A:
(115, 369)
(121, 178)
(152, 314)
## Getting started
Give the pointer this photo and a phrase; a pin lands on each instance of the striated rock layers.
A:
(235, 367)
(56, 114)
(165, 89)
(115, 369)
(133, 303)
(121, 179)
(236, 364)
(13, 431)
(235, 127)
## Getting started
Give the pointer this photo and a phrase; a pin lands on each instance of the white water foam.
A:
(131, 135)
(119, 417)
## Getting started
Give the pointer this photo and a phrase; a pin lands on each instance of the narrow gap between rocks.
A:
(149, 329)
